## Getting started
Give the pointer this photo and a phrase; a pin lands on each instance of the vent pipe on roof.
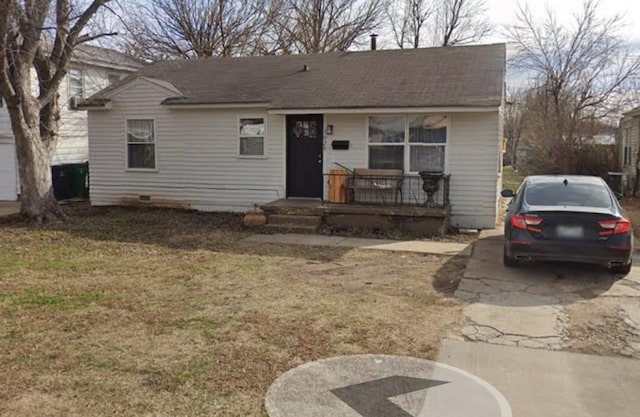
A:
(305, 68)
(373, 41)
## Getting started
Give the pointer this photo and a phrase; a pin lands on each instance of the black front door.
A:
(304, 156)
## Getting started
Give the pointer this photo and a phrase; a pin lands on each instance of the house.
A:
(228, 134)
(91, 69)
(628, 146)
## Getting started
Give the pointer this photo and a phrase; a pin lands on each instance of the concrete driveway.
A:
(555, 339)
(550, 306)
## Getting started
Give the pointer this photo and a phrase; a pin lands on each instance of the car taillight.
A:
(614, 227)
(526, 222)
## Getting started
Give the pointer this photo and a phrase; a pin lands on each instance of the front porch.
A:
(307, 215)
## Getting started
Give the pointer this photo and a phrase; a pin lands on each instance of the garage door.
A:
(8, 178)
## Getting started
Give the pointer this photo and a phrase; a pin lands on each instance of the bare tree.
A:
(30, 39)
(416, 23)
(582, 73)
(460, 22)
(165, 29)
(408, 20)
(514, 117)
(329, 25)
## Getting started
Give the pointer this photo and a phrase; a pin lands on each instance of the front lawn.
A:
(511, 179)
(133, 312)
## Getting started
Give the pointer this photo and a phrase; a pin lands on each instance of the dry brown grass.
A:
(632, 207)
(134, 312)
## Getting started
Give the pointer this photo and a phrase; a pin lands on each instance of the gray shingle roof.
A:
(105, 57)
(431, 77)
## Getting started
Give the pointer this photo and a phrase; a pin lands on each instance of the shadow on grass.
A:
(171, 228)
(486, 280)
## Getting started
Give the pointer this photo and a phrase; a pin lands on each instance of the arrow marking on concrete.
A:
(371, 399)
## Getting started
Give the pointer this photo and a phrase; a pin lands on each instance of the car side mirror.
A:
(508, 193)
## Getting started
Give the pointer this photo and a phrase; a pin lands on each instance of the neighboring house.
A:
(91, 70)
(231, 133)
(628, 144)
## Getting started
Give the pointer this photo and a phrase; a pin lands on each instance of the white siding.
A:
(473, 162)
(73, 146)
(5, 122)
(631, 125)
(198, 165)
(197, 156)
(351, 127)
(8, 173)
(473, 158)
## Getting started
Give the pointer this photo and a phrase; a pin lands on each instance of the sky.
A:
(502, 12)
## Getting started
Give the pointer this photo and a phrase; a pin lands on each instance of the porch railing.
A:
(342, 187)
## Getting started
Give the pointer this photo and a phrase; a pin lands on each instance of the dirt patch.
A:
(396, 234)
(129, 311)
(596, 327)
(632, 207)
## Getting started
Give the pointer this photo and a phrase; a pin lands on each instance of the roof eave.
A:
(175, 103)
(94, 105)
(398, 109)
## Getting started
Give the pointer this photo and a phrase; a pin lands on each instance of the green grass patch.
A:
(511, 179)
(37, 297)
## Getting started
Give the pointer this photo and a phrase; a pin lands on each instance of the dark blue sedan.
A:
(567, 218)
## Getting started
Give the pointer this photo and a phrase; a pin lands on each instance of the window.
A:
(413, 143)
(627, 153)
(113, 78)
(252, 131)
(558, 194)
(141, 146)
(76, 83)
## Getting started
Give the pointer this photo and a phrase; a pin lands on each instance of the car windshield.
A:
(559, 194)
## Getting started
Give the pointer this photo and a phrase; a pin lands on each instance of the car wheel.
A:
(621, 269)
(508, 261)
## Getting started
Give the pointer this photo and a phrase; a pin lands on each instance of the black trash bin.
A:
(78, 174)
(61, 182)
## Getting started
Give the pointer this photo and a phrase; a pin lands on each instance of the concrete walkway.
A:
(417, 246)
(8, 208)
(551, 384)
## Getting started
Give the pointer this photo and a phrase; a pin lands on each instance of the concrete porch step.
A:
(296, 220)
(290, 228)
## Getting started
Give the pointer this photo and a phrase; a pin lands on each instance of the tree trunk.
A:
(35, 145)
(34, 161)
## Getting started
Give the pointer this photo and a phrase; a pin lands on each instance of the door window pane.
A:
(386, 157)
(426, 158)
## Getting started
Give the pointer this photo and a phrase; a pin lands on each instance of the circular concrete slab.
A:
(382, 386)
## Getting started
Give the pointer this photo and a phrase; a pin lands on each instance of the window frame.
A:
(627, 149)
(264, 136)
(82, 83)
(407, 144)
(126, 145)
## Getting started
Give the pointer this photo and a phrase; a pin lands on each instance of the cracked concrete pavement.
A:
(549, 306)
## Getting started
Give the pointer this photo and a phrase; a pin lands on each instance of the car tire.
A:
(508, 261)
(622, 269)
